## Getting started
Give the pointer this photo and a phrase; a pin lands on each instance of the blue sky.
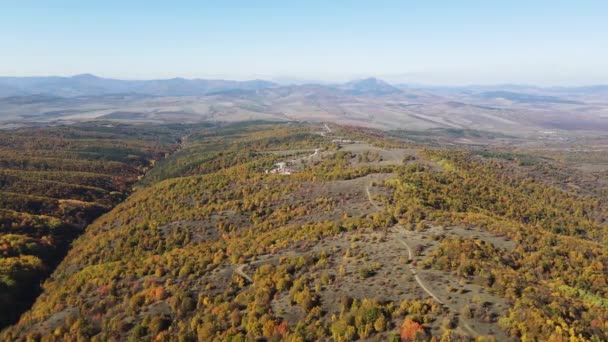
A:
(432, 42)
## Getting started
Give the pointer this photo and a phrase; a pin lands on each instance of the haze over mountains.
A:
(91, 85)
(369, 102)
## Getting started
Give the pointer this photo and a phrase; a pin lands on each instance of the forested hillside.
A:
(301, 232)
(55, 181)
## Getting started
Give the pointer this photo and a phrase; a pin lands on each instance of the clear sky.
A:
(432, 42)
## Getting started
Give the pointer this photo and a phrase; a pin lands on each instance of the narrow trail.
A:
(416, 277)
(409, 251)
(462, 324)
(240, 268)
(328, 130)
(239, 271)
(316, 153)
(369, 197)
(308, 157)
(317, 150)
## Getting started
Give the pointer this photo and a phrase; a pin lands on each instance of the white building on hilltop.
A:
(281, 169)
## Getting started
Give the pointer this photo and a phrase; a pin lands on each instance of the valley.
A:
(53, 183)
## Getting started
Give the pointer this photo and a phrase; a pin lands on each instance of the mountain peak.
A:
(85, 77)
(368, 80)
(370, 85)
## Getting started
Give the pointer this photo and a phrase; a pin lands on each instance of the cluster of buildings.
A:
(281, 169)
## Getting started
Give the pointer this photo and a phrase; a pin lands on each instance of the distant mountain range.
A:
(91, 85)
(368, 102)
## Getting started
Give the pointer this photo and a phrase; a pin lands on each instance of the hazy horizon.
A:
(287, 80)
(543, 43)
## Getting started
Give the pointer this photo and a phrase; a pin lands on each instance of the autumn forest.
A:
(259, 231)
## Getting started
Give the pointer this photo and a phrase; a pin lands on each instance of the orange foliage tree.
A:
(410, 329)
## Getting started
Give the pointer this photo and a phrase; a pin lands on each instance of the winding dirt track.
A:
(463, 325)
(413, 270)
(409, 252)
(239, 269)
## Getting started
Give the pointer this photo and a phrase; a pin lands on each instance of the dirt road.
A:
(463, 325)
(239, 271)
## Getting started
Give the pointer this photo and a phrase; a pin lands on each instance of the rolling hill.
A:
(298, 231)
(371, 102)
